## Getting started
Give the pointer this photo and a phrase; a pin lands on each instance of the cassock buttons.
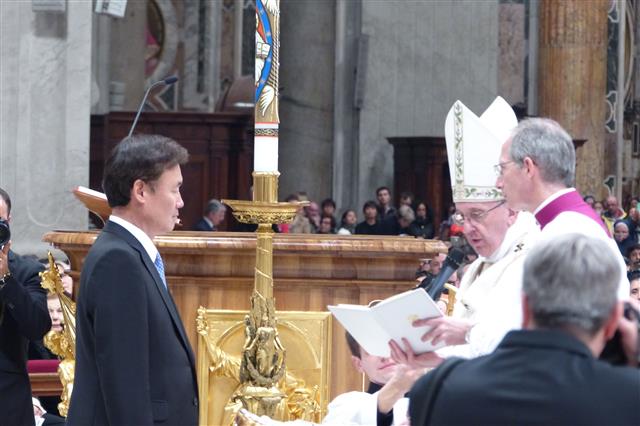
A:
(195, 401)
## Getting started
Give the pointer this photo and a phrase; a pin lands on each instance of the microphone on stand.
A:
(167, 82)
(449, 266)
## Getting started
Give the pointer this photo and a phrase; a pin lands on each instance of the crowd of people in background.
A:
(415, 218)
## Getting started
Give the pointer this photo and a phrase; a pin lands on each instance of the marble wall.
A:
(306, 98)
(422, 56)
(45, 88)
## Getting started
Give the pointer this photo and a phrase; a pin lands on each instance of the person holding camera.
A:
(23, 317)
(547, 373)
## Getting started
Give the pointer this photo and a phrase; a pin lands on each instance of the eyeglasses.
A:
(499, 168)
(476, 216)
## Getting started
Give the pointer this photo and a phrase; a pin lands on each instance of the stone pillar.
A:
(45, 86)
(127, 64)
(572, 79)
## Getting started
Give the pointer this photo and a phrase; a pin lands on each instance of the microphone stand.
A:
(167, 81)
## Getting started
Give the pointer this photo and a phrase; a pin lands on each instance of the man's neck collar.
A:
(132, 218)
(547, 195)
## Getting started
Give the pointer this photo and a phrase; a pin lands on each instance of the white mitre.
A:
(473, 149)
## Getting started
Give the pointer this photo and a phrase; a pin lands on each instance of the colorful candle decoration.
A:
(266, 80)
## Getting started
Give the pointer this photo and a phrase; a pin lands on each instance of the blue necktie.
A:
(160, 268)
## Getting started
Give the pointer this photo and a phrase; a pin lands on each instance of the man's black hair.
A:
(143, 157)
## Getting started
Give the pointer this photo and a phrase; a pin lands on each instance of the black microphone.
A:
(167, 81)
(449, 266)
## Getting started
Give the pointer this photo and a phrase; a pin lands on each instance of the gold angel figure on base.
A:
(288, 397)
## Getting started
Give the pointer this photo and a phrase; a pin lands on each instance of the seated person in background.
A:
(398, 224)
(634, 282)
(385, 208)
(589, 199)
(37, 350)
(547, 373)
(300, 224)
(444, 231)
(370, 224)
(328, 207)
(633, 254)
(43, 418)
(384, 402)
(327, 225)
(67, 281)
(422, 226)
(407, 199)
(348, 223)
(612, 213)
(623, 236)
(312, 211)
(213, 216)
(598, 207)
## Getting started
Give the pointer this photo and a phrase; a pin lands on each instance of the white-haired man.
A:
(547, 373)
(536, 172)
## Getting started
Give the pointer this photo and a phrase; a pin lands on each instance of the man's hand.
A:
(4, 259)
(451, 331)
(399, 384)
(408, 357)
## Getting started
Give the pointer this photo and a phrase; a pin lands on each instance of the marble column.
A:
(127, 64)
(572, 79)
(45, 87)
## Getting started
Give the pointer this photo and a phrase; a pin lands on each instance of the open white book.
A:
(390, 319)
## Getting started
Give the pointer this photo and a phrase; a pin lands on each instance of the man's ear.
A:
(357, 363)
(138, 190)
(512, 216)
(611, 325)
(529, 166)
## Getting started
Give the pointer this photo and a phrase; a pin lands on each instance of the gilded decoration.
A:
(241, 363)
(62, 343)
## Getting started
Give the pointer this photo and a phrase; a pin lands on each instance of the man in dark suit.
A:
(134, 364)
(547, 373)
(213, 216)
(23, 317)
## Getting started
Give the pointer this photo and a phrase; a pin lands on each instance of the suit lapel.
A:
(159, 284)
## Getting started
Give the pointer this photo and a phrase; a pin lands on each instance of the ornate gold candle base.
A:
(263, 357)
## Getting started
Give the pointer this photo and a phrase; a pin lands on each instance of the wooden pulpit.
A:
(216, 270)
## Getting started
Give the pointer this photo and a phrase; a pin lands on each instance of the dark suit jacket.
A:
(535, 377)
(134, 364)
(203, 225)
(24, 316)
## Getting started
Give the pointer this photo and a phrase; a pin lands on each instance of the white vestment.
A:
(360, 408)
(490, 294)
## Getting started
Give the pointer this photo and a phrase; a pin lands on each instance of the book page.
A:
(359, 322)
(396, 315)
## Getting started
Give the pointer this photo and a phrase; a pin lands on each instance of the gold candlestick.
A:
(263, 357)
